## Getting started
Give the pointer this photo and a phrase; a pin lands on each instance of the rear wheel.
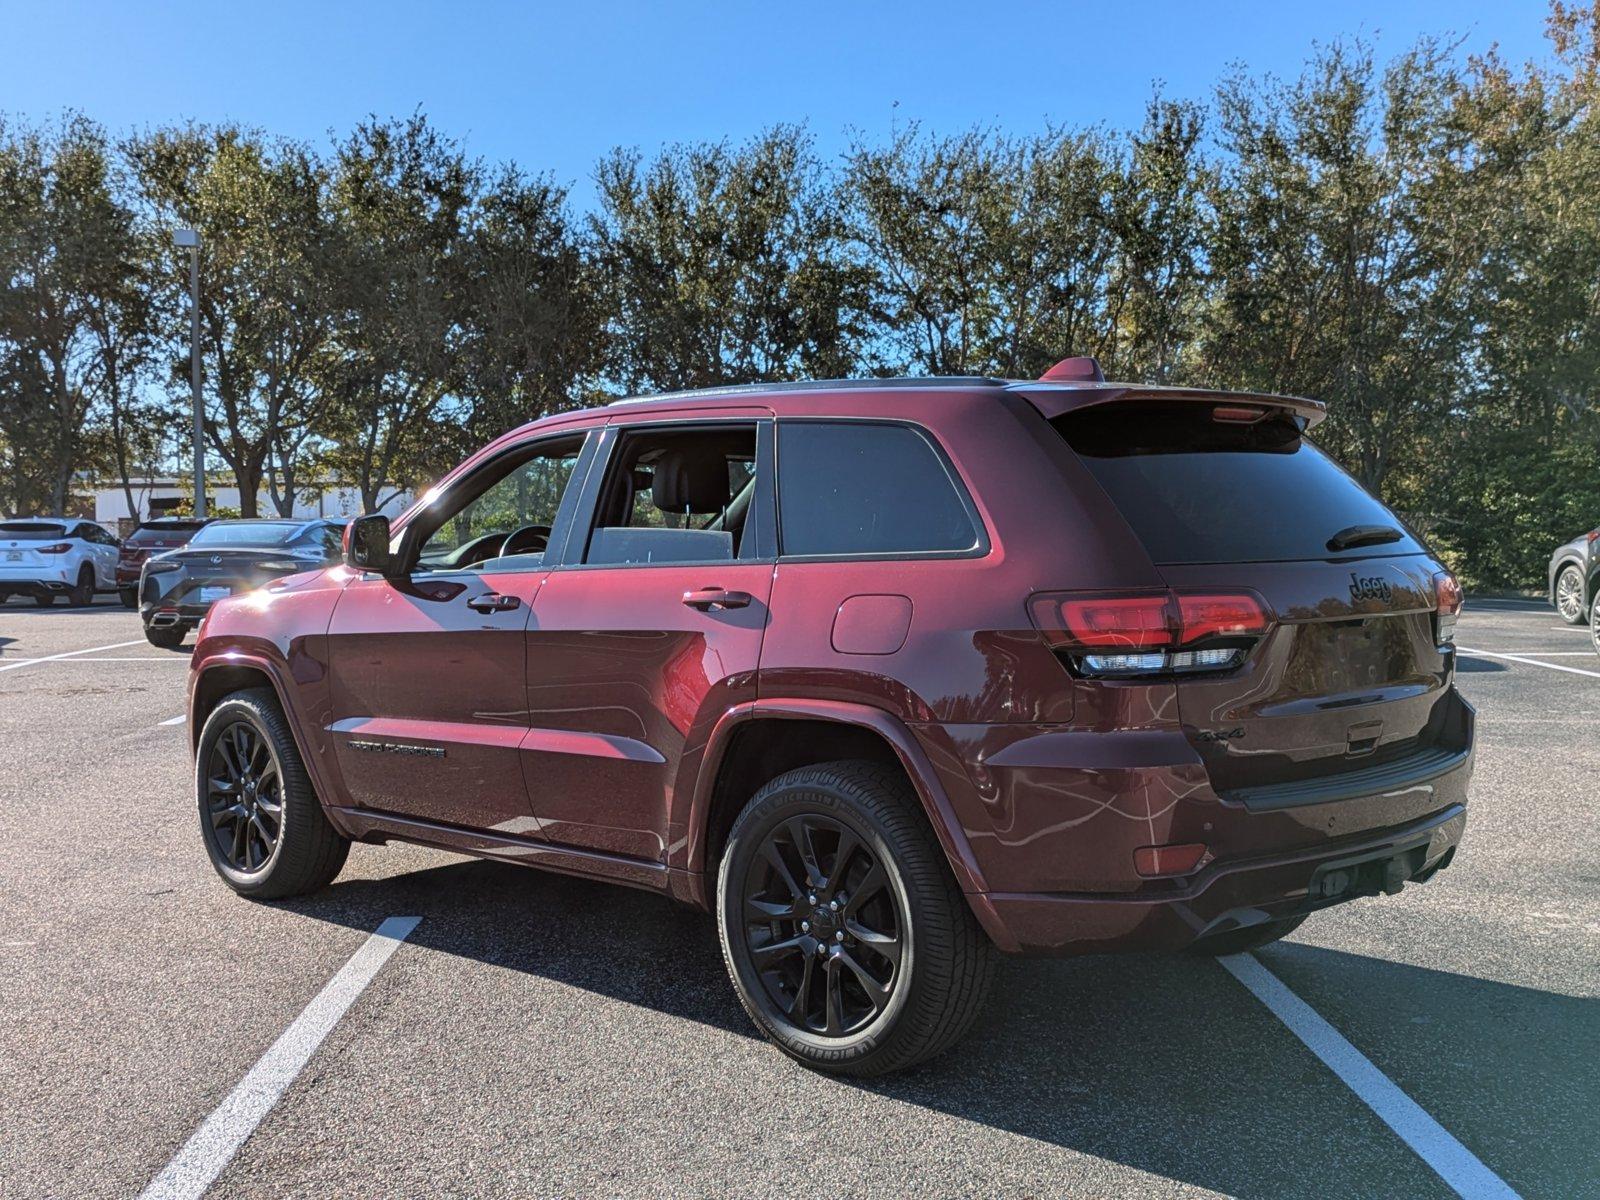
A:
(1251, 937)
(1569, 596)
(168, 637)
(129, 597)
(847, 940)
(1594, 627)
(263, 827)
(82, 595)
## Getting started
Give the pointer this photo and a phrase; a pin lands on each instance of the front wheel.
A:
(845, 936)
(129, 597)
(43, 598)
(263, 827)
(1594, 627)
(1569, 596)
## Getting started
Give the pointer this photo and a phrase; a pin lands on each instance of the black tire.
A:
(43, 598)
(1594, 627)
(1251, 937)
(1569, 599)
(82, 595)
(129, 597)
(168, 637)
(307, 852)
(945, 963)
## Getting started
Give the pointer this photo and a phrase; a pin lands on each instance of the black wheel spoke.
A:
(799, 830)
(848, 845)
(770, 852)
(766, 955)
(874, 881)
(833, 1000)
(882, 944)
(767, 911)
(877, 994)
(800, 1004)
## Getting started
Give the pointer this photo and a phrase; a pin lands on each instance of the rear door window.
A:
(868, 489)
(1197, 489)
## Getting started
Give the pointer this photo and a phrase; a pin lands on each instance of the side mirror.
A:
(366, 544)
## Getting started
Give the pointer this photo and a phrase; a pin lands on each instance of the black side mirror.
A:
(366, 544)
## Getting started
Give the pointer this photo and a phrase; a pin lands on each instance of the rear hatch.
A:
(1344, 687)
(23, 543)
(212, 574)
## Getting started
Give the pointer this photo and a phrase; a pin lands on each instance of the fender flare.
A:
(913, 759)
(275, 672)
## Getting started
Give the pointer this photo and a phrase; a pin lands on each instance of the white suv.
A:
(50, 556)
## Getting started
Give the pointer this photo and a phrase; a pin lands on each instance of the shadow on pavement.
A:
(1162, 1064)
(1467, 665)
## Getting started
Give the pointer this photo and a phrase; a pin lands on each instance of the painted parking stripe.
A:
(177, 720)
(1531, 662)
(69, 654)
(212, 1147)
(1434, 1144)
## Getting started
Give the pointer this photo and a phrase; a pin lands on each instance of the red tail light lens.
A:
(1593, 536)
(57, 548)
(1448, 592)
(1150, 633)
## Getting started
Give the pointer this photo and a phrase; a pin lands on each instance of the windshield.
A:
(246, 533)
(30, 531)
(1198, 489)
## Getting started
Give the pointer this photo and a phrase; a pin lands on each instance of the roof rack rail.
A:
(818, 385)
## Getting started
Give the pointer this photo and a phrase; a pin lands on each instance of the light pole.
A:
(191, 239)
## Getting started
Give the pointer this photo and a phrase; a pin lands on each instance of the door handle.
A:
(493, 602)
(708, 598)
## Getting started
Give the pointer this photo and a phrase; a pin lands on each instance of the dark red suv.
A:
(890, 675)
(155, 536)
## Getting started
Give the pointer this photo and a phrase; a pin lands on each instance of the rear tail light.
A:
(1150, 633)
(1593, 536)
(57, 548)
(1448, 593)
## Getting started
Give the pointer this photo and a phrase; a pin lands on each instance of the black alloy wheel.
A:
(244, 798)
(823, 926)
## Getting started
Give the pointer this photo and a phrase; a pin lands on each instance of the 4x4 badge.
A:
(1369, 587)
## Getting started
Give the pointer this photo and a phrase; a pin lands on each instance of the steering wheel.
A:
(530, 539)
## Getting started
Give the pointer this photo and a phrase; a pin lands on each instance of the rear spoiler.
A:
(1054, 399)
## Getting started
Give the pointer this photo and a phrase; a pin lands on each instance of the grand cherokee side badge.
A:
(1218, 735)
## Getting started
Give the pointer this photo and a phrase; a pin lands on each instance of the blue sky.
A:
(554, 86)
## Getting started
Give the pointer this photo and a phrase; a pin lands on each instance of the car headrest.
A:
(691, 479)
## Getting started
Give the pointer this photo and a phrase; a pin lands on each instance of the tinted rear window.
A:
(857, 488)
(161, 535)
(245, 533)
(30, 531)
(1199, 490)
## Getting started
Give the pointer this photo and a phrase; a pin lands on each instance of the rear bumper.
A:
(37, 578)
(1224, 896)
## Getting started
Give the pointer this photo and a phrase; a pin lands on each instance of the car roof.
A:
(1051, 397)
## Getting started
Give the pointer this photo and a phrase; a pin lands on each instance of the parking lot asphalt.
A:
(543, 1035)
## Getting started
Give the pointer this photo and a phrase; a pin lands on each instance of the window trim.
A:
(410, 541)
(764, 505)
(982, 546)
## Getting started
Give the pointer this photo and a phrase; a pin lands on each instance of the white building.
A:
(153, 496)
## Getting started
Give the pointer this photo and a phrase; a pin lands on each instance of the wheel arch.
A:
(738, 760)
(214, 680)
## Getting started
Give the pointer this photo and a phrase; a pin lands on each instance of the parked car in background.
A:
(889, 675)
(1571, 569)
(178, 587)
(151, 537)
(47, 557)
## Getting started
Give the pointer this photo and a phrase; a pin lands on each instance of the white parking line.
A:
(1530, 653)
(1531, 662)
(212, 1147)
(1434, 1144)
(28, 662)
(177, 720)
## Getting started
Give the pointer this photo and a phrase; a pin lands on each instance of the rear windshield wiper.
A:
(1364, 535)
